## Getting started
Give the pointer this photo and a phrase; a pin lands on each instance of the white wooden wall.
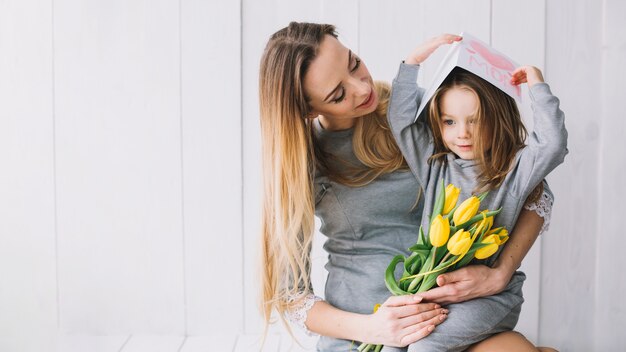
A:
(130, 164)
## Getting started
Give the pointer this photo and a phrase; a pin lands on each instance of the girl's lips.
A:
(369, 100)
(465, 147)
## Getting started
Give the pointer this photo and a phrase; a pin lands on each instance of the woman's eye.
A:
(339, 99)
(357, 64)
(448, 122)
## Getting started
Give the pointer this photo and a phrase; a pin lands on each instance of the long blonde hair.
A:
(290, 159)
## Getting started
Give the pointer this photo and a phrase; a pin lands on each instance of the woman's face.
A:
(339, 86)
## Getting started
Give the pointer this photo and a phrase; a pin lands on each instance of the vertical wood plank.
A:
(388, 32)
(573, 59)
(610, 280)
(28, 309)
(527, 48)
(212, 165)
(344, 14)
(260, 20)
(119, 166)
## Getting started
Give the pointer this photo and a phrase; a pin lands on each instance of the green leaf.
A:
(476, 218)
(390, 279)
(440, 201)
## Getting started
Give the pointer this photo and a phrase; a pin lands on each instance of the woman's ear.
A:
(311, 115)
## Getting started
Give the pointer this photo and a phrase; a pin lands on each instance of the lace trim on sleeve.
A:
(297, 315)
(543, 207)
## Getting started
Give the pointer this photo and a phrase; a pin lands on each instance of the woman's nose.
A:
(361, 88)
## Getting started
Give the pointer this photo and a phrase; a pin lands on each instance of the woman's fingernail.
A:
(437, 306)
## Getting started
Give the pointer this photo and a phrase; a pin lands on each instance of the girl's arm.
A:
(413, 137)
(400, 321)
(547, 143)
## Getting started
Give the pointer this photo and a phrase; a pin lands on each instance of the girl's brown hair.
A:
(498, 130)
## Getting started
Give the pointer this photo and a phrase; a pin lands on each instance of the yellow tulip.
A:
(501, 233)
(484, 223)
(492, 247)
(466, 210)
(439, 231)
(459, 243)
(452, 195)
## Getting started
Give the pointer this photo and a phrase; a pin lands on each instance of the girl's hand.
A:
(467, 283)
(529, 74)
(423, 51)
(402, 320)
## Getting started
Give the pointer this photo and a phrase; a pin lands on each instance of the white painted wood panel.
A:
(91, 343)
(610, 279)
(212, 165)
(215, 342)
(27, 224)
(153, 343)
(573, 47)
(119, 166)
(453, 16)
(526, 48)
(255, 342)
(260, 20)
(388, 34)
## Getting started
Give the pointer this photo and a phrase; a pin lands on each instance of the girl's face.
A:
(339, 86)
(459, 107)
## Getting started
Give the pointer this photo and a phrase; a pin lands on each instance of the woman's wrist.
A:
(504, 270)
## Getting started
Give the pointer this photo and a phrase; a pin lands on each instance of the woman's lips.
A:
(368, 101)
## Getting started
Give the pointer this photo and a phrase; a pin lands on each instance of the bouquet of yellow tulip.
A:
(437, 252)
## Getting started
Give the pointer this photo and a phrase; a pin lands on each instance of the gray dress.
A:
(475, 320)
(366, 227)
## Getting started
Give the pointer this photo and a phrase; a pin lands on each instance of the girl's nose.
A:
(464, 131)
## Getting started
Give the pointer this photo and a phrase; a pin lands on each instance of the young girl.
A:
(473, 137)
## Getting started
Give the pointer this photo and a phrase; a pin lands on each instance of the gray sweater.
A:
(366, 227)
(546, 149)
(473, 321)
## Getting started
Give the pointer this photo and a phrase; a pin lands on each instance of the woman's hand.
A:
(402, 320)
(529, 74)
(423, 51)
(467, 283)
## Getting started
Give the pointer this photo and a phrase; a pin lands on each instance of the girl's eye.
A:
(357, 64)
(339, 99)
(448, 122)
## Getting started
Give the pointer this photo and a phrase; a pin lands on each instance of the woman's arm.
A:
(479, 280)
(398, 322)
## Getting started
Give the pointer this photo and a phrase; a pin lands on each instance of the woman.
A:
(328, 151)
